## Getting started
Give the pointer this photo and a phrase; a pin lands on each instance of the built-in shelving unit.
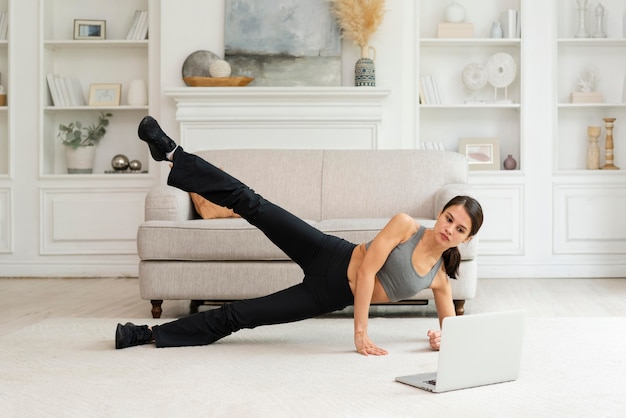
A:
(606, 58)
(113, 60)
(586, 201)
(92, 213)
(463, 113)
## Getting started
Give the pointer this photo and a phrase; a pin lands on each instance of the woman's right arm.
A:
(397, 230)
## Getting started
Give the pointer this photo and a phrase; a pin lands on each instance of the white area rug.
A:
(572, 367)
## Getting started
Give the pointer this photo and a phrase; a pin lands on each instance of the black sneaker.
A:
(158, 142)
(130, 335)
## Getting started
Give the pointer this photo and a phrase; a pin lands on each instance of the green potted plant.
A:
(80, 143)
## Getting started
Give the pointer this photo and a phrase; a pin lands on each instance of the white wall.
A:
(394, 60)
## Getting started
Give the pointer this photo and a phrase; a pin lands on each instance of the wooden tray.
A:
(217, 81)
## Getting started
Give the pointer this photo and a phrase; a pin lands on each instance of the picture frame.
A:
(89, 29)
(105, 94)
(481, 153)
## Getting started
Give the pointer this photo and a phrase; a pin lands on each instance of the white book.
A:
(78, 99)
(53, 90)
(430, 85)
(427, 95)
(508, 22)
(3, 25)
(438, 96)
(143, 26)
(133, 25)
(63, 93)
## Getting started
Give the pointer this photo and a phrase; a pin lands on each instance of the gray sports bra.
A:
(398, 276)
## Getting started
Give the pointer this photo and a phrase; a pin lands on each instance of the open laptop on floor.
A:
(475, 350)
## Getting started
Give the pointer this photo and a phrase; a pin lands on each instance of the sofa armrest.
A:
(166, 203)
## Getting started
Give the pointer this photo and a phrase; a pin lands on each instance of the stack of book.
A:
(4, 25)
(429, 90)
(65, 92)
(138, 29)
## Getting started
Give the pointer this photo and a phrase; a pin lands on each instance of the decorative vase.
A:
(510, 163)
(496, 30)
(137, 93)
(454, 13)
(364, 69)
(80, 160)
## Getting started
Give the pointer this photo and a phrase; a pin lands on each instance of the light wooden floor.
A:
(24, 301)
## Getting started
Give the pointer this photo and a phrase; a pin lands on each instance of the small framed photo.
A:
(481, 153)
(90, 29)
(105, 94)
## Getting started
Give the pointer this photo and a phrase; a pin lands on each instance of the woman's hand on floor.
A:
(435, 339)
(366, 347)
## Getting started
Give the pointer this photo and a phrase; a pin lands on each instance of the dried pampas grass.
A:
(358, 19)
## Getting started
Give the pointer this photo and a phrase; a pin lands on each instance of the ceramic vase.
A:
(364, 69)
(496, 30)
(510, 163)
(80, 160)
(137, 93)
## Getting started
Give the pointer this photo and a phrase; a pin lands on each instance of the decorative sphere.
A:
(219, 68)
(120, 162)
(135, 165)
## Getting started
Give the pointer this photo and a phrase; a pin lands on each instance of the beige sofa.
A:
(349, 193)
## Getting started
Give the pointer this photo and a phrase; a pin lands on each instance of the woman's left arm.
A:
(442, 291)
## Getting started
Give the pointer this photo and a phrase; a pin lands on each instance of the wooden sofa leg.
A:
(156, 308)
(459, 307)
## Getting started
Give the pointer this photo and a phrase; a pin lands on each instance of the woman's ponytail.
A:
(451, 261)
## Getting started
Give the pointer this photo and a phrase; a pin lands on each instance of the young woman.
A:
(400, 261)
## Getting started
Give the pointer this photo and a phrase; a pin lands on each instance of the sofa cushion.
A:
(237, 240)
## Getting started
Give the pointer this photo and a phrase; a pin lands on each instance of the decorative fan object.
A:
(474, 77)
(501, 71)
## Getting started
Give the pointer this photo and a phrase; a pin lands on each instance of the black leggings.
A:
(323, 258)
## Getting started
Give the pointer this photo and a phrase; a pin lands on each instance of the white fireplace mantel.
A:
(278, 117)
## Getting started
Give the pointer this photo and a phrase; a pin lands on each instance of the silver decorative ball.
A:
(135, 165)
(120, 162)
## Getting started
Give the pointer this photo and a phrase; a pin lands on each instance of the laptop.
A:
(476, 350)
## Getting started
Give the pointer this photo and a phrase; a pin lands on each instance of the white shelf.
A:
(94, 108)
(592, 42)
(96, 44)
(600, 106)
(494, 106)
(465, 42)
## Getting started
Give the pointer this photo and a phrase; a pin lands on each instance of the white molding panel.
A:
(6, 222)
(589, 219)
(501, 233)
(78, 221)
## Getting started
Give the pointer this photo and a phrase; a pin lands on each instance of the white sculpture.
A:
(587, 81)
(600, 32)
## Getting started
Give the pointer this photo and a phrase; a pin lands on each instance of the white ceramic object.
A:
(219, 68)
(474, 76)
(501, 70)
(454, 13)
(137, 93)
